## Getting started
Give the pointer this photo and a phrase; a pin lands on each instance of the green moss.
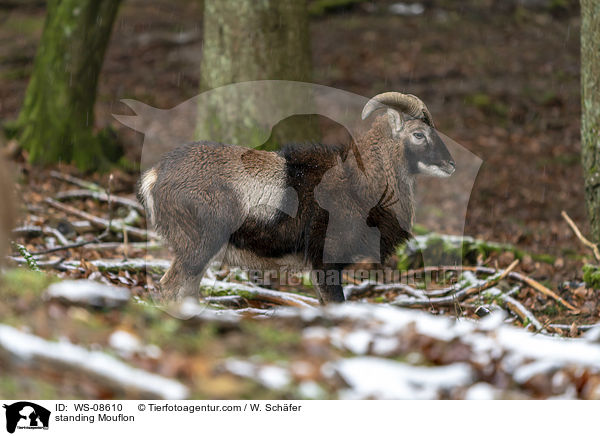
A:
(167, 332)
(551, 310)
(57, 116)
(420, 230)
(17, 386)
(545, 258)
(321, 7)
(591, 276)
(439, 249)
(20, 281)
(404, 258)
(270, 342)
(272, 335)
(214, 292)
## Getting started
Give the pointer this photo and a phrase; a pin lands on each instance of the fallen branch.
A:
(99, 196)
(191, 310)
(517, 308)
(100, 246)
(365, 287)
(101, 222)
(512, 276)
(544, 290)
(158, 266)
(66, 247)
(81, 227)
(263, 294)
(255, 312)
(226, 300)
(569, 327)
(459, 295)
(57, 234)
(39, 230)
(583, 239)
(91, 186)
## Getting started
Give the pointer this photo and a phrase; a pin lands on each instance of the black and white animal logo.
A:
(26, 415)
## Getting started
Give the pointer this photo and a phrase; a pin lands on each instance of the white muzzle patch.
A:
(433, 170)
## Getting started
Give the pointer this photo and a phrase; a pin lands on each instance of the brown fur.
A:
(205, 196)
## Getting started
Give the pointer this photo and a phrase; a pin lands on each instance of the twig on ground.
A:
(460, 294)
(258, 293)
(583, 239)
(97, 239)
(569, 327)
(226, 300)
(27, 230)
(365, 287)
(91, 186)
(517, 308)
(66, 247)
(100, 246)
(101, 222)
(38, 230)
(544, 290)
(57, 234)
(134, 265)
(512, 275)
(255, 312)
(99, 196)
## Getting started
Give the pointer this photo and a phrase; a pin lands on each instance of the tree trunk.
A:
(57, 118)
(255, 40)
(590, 116)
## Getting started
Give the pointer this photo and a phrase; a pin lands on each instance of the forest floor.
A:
(502, 83)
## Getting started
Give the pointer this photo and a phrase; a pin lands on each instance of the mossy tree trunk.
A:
(590, 99)
(257, 40)
(57, 118)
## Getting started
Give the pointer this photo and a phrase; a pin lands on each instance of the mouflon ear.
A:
(396, 122)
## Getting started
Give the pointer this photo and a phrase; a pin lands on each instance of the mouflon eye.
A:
(418, 135)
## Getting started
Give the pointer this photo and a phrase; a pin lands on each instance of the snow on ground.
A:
(31, 349)
(88, 292)
(403, 353)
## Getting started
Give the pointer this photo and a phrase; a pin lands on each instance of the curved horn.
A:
(407, 103)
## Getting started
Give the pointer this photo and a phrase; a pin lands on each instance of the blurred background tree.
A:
(590, 102)
(257, 40)
(57, 118)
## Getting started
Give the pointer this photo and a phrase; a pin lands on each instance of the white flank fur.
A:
(148, 181)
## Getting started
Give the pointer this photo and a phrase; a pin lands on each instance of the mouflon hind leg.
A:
(191, 261)
(180, 281)
(195, 237)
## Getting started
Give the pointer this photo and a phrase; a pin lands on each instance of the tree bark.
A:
(57, 118)
(256, 40)
(590, 113)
